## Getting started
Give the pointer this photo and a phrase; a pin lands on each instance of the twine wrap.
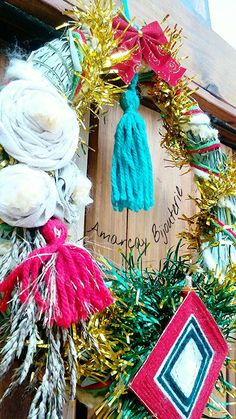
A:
(207, 157)
(132, 182)
(60, 62)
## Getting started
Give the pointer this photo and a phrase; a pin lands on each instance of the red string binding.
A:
(63, 279)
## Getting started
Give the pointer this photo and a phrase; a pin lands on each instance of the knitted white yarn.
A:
(27, 196)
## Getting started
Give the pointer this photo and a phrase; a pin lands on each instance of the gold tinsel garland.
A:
(174, 104)
(173, 101)
(212, 190)
(107, 340)
(98, 82)
(101, 352)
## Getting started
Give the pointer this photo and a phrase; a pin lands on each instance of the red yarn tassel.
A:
(63, 279)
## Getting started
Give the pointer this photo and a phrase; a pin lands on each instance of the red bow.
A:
(148, 43)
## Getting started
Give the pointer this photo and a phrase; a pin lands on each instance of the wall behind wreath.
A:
(110, 233)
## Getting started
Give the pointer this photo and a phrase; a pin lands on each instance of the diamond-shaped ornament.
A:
(178, 376)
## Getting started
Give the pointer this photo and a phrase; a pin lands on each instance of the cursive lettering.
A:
(160, 233)
(136, 243)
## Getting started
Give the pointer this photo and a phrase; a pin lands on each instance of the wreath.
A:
(84, 327)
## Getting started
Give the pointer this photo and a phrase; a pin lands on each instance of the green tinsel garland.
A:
(120, 339)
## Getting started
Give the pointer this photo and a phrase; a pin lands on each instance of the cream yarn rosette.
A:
(37, 127)
(73, 189)
(27, 196)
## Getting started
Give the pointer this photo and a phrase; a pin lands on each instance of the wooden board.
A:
(105, 230)
(49, 13)
(110, 232)
(211, 59)
(161, 225)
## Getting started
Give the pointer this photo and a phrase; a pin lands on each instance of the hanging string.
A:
(126, 9)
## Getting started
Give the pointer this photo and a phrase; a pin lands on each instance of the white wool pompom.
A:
(29, 192)
(199, 119)
(203, 131)
(27, 196)
(73, 189)
(23, 70)
(82, 189)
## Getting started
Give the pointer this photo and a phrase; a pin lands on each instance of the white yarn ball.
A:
(80, 195)
(73, 189)
(200, 118)
(27, 196)
(37, 126)
(204, 131)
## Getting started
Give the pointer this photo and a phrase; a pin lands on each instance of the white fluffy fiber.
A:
(73, 189)
(227, 202)
(199, 124)
(80, 194)
(203, 131)
(27, 196)
(199, 119)
(22, 70)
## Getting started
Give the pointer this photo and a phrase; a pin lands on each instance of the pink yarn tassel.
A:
(73, 286)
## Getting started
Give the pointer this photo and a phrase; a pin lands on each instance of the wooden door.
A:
(111, 233)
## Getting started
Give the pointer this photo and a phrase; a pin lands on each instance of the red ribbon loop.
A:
(147, 43)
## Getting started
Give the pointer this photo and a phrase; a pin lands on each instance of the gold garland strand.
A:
(98, 83)
(212, 190)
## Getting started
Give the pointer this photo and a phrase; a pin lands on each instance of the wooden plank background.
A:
(211, 59)
(108, 232)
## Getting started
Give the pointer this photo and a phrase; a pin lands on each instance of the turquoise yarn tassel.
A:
(131, 174)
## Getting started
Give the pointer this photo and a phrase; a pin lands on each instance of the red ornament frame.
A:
(153, 381)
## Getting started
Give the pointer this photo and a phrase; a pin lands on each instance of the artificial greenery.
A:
(120, 339)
